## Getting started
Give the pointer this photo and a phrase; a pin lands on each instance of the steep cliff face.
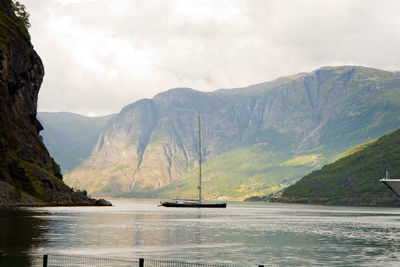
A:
(26, 168)
(256, 140)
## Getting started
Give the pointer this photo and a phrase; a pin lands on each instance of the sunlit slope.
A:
(354, 178)
(151, 148)
(238, 174)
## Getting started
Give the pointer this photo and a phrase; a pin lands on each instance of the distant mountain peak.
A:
(174, 91)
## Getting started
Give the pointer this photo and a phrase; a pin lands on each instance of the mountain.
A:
(256, 140)
(69, 137)
(354, 178)
(28, 175)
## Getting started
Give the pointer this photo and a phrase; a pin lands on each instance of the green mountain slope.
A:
(354, 178)
(69, 137)
(240, 173)
(256, 139)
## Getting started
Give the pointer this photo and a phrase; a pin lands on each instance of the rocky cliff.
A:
(256, 140)
(27, 172)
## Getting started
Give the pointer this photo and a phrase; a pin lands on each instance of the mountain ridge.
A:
(302, 116)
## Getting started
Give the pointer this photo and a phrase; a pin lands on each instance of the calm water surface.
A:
(244, 233)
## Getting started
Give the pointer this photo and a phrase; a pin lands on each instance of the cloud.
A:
(100, 55)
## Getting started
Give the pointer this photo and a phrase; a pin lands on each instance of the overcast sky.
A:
(100, 55)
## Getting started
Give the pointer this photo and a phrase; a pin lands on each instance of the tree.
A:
(56, 169)
(21, 13)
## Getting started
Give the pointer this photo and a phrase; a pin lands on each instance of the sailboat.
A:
(392, 184)
(193, 202)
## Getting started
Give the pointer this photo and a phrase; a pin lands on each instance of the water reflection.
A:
(20, 232)
(246, 234)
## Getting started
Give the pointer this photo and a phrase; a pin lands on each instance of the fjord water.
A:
(244, 234)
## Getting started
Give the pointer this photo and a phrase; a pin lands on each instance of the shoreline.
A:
(96, 203)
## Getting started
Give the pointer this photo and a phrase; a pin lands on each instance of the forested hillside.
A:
(353, 179)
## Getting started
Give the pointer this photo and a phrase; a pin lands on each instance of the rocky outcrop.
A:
(27, 172)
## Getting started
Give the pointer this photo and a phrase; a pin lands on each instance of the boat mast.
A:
(199, 186)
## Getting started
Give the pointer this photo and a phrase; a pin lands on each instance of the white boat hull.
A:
(392, 184)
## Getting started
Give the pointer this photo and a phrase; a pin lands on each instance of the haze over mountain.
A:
(69, 137)
(256, 140)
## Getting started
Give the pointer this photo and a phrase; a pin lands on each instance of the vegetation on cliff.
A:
(14, 19)
(21, 13)
(354, 178)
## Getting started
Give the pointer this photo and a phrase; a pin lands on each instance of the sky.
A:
(100, 55)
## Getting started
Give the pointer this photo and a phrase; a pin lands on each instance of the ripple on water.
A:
(244, 233)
